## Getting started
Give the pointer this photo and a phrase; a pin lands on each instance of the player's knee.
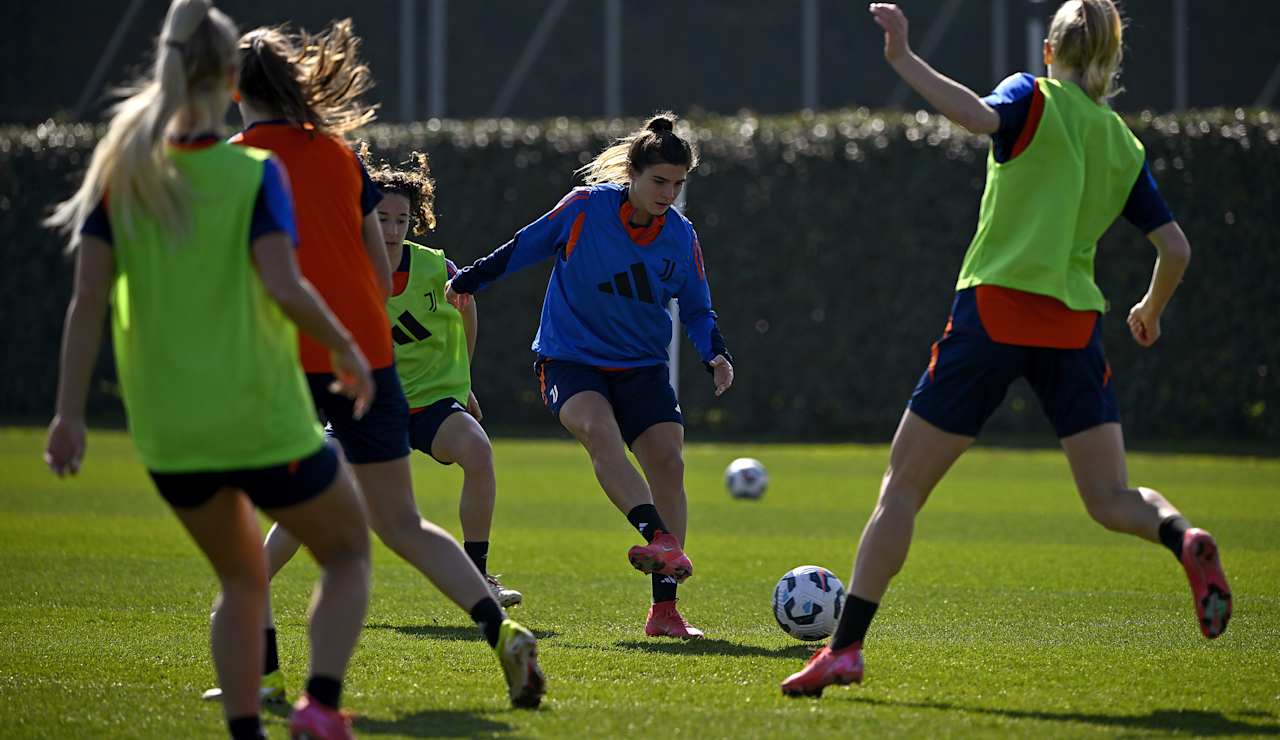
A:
(477, 456)
(899, 492)
(669, 462)
(1105, 504)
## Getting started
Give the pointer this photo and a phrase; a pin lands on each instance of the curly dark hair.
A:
(412, 179)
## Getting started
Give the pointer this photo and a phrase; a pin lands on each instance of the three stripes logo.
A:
(623, 287)
(412, 327)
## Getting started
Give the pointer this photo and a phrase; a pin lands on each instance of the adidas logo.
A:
(413, 326)
(623, 287)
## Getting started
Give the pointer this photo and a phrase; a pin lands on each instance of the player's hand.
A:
(473, 406)
(1144, 324)
(894, 22)
(352, 378)
(457, 300)
(721, 373)
(65, 446)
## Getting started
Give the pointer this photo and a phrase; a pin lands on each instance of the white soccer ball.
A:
(746, 478)
(807, 602)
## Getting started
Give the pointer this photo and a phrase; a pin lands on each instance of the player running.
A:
(299, 94)
(434, 344)
(621, 253)
(191, 240)
(1062, 167)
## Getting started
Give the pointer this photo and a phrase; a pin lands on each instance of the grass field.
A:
(1015, 614)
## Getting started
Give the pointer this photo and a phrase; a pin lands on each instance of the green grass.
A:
(1015, 614)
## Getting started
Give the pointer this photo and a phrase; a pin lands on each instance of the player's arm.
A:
(371, 231)
(694, 300)
(81, 340)
(1147, 210)
(953, 100)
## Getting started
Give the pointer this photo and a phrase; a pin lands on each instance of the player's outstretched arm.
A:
(953, 100)
(1173, 254)
(81, 339)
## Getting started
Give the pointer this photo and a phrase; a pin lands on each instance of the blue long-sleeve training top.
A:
(606, 300)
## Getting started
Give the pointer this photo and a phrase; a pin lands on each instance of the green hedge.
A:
(832, 244)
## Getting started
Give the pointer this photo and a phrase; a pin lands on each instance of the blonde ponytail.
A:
(195, 50)
(655, 143)
(1088, 37)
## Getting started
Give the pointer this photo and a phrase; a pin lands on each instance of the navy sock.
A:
(664, 588)
(488, 617)
(479, 554)
(646, 520)
(246, 728)
(326, 690)
(272, 662)
(854, 622)
(1171, 531)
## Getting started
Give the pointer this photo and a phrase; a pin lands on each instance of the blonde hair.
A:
(412, 180)
(311, 80)
(1088, 36)
(195, 55)
(655, 143)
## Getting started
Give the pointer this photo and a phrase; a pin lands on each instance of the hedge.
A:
(832, 243)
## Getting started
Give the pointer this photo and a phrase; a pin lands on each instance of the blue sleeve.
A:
(699, 320)
(370, 195)
(531, 245)
(98, 224)
(273, 208)
(1146, 208)
(1011, 100)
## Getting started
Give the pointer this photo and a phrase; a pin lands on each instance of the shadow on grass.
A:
(1194, 721)
(433, 723)
(446, 632)
(715, 647)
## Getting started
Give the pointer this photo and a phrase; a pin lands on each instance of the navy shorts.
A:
(425, 423)
(640, 397)
(269, 488)
(969, 374)
(382, 434)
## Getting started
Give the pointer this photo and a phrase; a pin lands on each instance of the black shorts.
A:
(641, 397)
(382, 434)
(268, 488)
(425, 423)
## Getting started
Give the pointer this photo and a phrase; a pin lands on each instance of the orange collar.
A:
(642, 235)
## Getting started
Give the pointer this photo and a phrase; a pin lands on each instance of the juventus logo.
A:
(412, 326)
(668, 269)
(431, 296)
(622, 285)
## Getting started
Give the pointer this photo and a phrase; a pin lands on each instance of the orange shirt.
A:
(328, 181)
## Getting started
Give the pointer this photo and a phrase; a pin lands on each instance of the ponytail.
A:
(655, 143)
(1088, 36)
(193, 57)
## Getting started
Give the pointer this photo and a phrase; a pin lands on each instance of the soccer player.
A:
(298, 95)
(434, 344)
(621, 253)
(1062, 167)
(191, 241)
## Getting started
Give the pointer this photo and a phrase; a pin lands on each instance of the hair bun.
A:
(661, 122)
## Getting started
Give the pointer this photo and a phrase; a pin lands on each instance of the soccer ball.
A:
(807, 602)
(746, 478)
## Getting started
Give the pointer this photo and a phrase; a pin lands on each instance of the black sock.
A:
(853, 622)
(272, 662)
(488, 617)
(645, 519)
(664, 588)
(1171, 531)
(479, 554)
(246, 728)
(327, 691)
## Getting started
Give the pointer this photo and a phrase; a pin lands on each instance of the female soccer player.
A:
(191, 241)
(621, 253)
(1063, 166)
(434, 346)
(298, 95)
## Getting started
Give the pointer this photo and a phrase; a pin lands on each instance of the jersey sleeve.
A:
(1011, 100)
(370, 195)
(531, 245)
(273, 206)
(699, 319)
(98, 223)
(1146, 208)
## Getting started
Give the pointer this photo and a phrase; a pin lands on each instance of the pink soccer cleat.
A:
(662, 556)
(665, 621)
(826, 667)
(312, 720)
(1208, 581)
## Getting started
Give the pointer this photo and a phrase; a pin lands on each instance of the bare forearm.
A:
(1174, 254)
(81, 339)
(950, 98)
(471, 328)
